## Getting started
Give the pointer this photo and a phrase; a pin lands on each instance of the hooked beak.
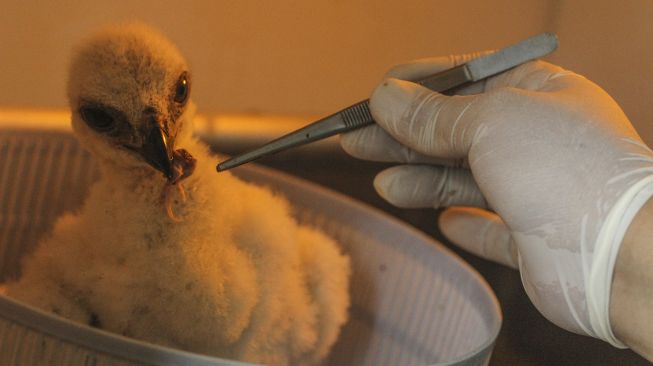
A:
(157, 150)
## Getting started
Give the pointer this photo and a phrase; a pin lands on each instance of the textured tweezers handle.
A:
(358, 115)
(353, 117)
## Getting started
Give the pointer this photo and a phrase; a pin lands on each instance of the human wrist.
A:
(631, 296)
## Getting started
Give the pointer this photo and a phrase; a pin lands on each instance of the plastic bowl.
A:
(414, 301)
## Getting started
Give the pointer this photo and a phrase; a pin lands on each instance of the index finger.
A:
(421, 68)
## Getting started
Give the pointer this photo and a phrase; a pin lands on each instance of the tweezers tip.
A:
(222, 167)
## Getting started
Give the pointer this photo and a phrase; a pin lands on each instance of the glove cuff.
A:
(606, 249)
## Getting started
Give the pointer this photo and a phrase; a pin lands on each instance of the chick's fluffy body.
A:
(237, 278)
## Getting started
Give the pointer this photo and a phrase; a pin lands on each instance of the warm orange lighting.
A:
(272, 125)
(58, 119)
(259, 127)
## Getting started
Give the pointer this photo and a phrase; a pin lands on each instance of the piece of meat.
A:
(183, 165)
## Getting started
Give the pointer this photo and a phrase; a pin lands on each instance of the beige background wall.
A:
(611, 42)
(300, 57)
(284, 56)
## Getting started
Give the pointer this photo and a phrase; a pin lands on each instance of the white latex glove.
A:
(547, 150)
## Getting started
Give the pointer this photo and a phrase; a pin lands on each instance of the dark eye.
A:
(97, 118)
(182, 89)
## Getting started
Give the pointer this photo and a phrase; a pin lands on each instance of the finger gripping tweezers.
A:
(358, 115)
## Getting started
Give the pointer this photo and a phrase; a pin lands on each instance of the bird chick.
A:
(237, 277)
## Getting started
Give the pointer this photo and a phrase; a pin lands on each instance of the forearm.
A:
(631, 304)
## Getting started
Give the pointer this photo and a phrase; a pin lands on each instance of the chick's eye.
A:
(182, 89)
(97, 118)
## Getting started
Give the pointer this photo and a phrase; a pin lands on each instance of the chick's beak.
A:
(157, 150)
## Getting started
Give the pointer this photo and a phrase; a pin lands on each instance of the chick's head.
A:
(129, 94)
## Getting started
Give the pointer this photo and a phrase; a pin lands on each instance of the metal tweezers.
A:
(358, 115)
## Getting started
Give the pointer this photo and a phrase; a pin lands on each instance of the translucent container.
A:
(414, 301)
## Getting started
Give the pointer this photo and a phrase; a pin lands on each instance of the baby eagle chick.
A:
(237, 277)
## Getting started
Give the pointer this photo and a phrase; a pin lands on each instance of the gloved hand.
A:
(545, 149)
